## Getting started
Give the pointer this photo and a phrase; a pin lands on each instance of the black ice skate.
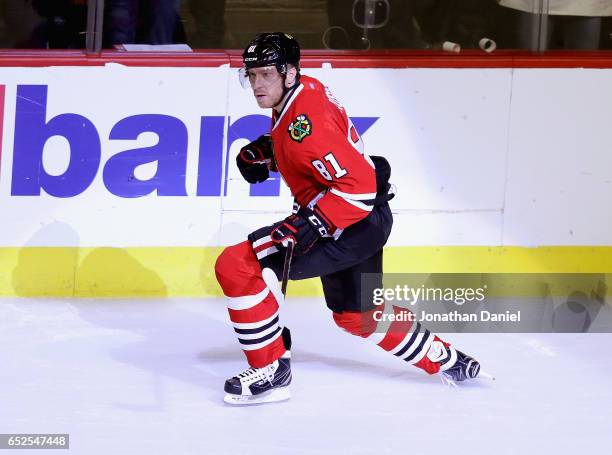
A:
(261, 385)
(460, 367)
(463, 367)
(455, 366)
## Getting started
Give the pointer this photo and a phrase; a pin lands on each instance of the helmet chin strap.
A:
(287, 90)
(295, 83)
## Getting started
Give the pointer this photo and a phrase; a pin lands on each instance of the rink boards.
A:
(121, 181)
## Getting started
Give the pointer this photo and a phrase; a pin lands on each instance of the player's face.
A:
(267, 84)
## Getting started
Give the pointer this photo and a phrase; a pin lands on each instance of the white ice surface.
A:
(146, 377)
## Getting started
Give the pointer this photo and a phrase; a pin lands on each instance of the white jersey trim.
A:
(289, 103)
(267, 252)
(261, 241)
(354, 197)
(369, 161)
(360, 205)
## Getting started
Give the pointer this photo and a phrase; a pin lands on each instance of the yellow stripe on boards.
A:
(189, 271)
(509, 259)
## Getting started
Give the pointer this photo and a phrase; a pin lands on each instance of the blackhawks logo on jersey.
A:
(300, 127)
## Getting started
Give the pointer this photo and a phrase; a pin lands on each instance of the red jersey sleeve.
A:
(331, 155)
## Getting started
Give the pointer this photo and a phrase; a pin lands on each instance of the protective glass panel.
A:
(43, 24)
(153, 22)
(451, 25)
(575, 25)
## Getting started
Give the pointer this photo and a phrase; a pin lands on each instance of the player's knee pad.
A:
(356, 323)
(237, 270)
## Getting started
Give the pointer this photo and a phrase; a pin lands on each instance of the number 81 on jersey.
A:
(331, 159)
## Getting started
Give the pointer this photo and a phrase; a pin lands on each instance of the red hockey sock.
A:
(252, 307)
(403, 338)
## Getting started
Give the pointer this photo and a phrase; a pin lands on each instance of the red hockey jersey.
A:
(320, 155)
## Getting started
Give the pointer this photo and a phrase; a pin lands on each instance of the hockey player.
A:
(340, 223)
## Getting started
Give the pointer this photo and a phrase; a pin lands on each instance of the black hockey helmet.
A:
(269, 49)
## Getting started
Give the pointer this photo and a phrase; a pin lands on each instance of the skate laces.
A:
(437, 352)
(255, 374)
(247, 373)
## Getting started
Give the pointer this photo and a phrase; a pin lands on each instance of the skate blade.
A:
(486, 375)
(271, 396)
(447, 381)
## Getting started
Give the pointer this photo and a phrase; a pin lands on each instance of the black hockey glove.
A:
(255, 160)
(304, 228)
